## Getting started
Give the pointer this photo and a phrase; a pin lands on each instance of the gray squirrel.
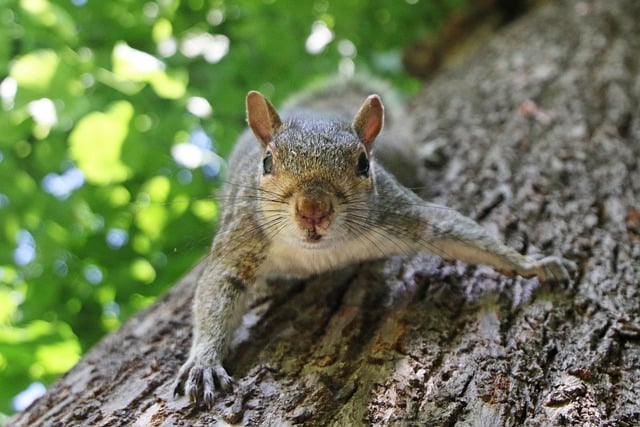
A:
(304, 196)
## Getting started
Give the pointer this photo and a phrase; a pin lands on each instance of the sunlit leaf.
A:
(35, 70)
(170, 85)
(141, 243)
(162, 30)
(96, 144)
(179, 205)
(8, 306)
(51, 16)
(157, 188)
(133, 64)
(152, 220)
(31, 332)
(205, 209)
(58, 357)
(142, 270)
(119, 196)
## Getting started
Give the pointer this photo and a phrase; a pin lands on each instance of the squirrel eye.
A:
(363, 165)
(267, 163)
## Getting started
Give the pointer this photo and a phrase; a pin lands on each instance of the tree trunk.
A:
(537, 136)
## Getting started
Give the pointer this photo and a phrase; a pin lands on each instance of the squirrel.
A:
(305, 195)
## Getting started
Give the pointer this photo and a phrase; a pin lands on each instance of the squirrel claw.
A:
(554, 269)
(200, 382)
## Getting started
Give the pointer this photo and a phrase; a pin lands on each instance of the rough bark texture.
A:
(537, 136)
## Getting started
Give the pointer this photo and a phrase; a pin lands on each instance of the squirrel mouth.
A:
(313, 236)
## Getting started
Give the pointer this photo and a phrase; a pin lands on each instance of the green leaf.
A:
(35, 70)
(96, 144)
(57, 358)
(169, 85)
(142, 270)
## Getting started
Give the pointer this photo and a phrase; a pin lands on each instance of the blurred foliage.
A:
(109, 112)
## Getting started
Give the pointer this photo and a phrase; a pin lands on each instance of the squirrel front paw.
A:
(200, 381)
(552, 269)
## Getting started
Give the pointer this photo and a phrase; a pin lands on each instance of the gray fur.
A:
(372, 217)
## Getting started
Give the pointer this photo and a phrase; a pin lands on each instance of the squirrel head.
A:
(314, 169)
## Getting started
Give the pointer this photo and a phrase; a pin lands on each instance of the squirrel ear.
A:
(368, 120)
(262, 117)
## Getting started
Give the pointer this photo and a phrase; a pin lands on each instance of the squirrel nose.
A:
(313, 210)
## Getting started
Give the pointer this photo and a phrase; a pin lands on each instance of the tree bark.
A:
(537, 136)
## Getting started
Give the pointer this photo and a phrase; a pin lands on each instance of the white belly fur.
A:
(294, 261)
